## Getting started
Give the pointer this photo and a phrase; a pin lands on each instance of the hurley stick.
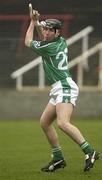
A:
(35, 15)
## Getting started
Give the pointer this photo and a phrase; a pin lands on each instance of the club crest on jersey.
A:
(36, 43)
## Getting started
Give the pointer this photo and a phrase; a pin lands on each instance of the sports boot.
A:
(53, 165)
(90, 160)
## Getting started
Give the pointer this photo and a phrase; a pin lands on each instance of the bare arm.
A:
(34, 15)
(29, 33)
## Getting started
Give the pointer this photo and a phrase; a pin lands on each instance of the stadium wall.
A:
(15, 105)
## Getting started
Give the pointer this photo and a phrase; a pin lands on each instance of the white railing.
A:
(83, 57)
(18, 74)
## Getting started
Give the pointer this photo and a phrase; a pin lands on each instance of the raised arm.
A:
(34, 15)
(29, 33)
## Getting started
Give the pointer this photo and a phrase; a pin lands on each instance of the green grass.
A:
(24, 150)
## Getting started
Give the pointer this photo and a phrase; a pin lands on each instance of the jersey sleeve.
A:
(47, 49)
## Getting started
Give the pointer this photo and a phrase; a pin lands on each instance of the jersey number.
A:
(63, 64)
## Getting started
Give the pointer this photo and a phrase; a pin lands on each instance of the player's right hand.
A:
(35, 15)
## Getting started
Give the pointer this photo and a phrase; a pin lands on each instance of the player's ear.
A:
(57, 33)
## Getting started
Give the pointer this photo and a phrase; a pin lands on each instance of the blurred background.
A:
(24, 91)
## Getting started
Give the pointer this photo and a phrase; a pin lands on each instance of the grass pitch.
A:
(24, 150)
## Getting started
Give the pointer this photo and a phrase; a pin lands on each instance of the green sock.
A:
(57, 153)
(86, 147)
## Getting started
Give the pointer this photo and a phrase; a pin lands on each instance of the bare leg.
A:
(47, 118)
(64, 111)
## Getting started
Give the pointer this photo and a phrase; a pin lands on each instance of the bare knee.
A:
(63, 124)
(44, 123)
(60, 125)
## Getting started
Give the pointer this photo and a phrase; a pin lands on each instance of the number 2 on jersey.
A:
(63, 64)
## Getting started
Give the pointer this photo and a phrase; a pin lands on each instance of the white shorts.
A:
(64, 91)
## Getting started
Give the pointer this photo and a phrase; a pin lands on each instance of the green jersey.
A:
(54, 57)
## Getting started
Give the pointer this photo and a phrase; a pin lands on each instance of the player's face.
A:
(48, 34)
